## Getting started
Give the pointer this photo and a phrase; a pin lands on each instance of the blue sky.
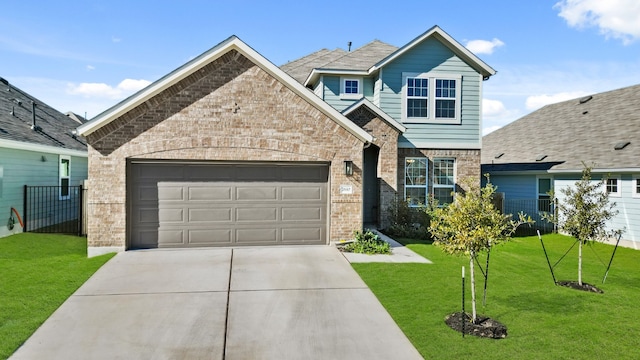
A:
(86, 56)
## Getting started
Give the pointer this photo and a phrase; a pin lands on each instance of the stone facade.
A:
(229, 110)
(467, 164)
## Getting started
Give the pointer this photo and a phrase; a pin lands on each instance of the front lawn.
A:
(38, 272)
(544, 321)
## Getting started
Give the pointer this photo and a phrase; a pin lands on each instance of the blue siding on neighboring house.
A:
(22, 167)
(515, 187)
(430, 56)
(627, 205)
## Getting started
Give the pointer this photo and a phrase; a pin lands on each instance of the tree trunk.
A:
(580, 263)
(473, 288)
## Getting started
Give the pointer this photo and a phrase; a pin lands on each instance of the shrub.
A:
(409, 222)
(367, 243)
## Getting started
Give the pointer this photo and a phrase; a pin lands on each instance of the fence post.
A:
(25, 217)
(80, 209)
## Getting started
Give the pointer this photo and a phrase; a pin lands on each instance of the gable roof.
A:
(376, 110)
(437, 33)
(232, 43)
(571, 132)
(52, 132)
(299, 69)
(373, 56)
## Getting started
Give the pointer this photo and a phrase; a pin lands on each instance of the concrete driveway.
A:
(303, 302)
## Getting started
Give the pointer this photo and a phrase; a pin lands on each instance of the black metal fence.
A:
(53, 209)
(533, 208)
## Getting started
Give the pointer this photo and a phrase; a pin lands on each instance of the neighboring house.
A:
(37, 147)
(229, 149)
(546, 150)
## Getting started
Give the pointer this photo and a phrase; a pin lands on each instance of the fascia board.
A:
(316, 73)
(391, 121)
(19, 145)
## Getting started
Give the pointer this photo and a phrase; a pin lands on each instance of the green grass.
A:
(544, 321)
(38, 272)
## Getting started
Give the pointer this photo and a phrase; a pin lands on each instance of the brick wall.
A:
(228, 110)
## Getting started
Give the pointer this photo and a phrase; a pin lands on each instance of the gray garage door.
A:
(192, 205)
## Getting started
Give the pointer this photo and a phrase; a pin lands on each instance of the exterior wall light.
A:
(348, 167)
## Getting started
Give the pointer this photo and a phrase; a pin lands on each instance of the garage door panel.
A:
(302, 193)
(217, 205)
(268, 193)
(210, 215)
(170, 215)
(305, 234)
(208, 193)
(256, 214)
(209, 236)
(302, 214)
(264, 235)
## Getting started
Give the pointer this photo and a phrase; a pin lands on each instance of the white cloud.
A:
(90, 67)
(115, 39)
(615, 18)
(492, 107)
(483, 46)
(101, 90)
(537, 101)
(490, 129)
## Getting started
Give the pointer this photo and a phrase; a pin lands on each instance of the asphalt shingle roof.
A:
(572, 132)
(16, 119)
(359, 59)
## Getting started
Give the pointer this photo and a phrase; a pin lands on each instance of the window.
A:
(431, 97)
(415, 184)
(612, 186)
(64, 174)
(636, 187)
(544, 199)
(350, 88)
(444, 180)
(417, 97)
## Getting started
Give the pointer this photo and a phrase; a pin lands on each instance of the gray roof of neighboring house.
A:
(361, 58)
(52, 127)
(569, 133)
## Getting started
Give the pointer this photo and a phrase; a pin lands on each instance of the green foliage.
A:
(544, 321)
(407, 221)
(585, 211)
(367, 243)
(471, 223)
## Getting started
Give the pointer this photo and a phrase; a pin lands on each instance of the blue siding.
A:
(21, 167)
(332, 92)
(430, 56)
(516, 187)
(628, 206)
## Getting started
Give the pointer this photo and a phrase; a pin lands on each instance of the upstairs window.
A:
(431, 97)
(350, 88)
(64, 175)
(444, 183)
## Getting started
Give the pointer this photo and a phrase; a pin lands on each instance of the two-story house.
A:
(230, 149)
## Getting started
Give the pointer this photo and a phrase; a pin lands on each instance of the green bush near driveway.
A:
(38, 272)
(544, 321)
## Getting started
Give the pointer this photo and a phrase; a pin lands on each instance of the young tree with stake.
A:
(471, 225)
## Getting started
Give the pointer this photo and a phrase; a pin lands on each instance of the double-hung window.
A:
(64, 175)
(431, 97)
(636, 186)
(415, 184)
(444, 183)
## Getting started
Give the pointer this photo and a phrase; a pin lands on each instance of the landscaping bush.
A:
(367, 243)
(409, 222)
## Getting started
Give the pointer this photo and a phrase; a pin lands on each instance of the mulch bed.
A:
(577, 286)
(483, 327)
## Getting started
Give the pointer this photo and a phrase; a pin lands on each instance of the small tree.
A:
(584, 213)
(472, 224)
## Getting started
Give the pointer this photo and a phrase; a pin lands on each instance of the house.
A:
(547, 149)
(230, 149)
(38, 147)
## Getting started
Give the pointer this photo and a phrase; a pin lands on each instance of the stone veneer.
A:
(229, 110)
